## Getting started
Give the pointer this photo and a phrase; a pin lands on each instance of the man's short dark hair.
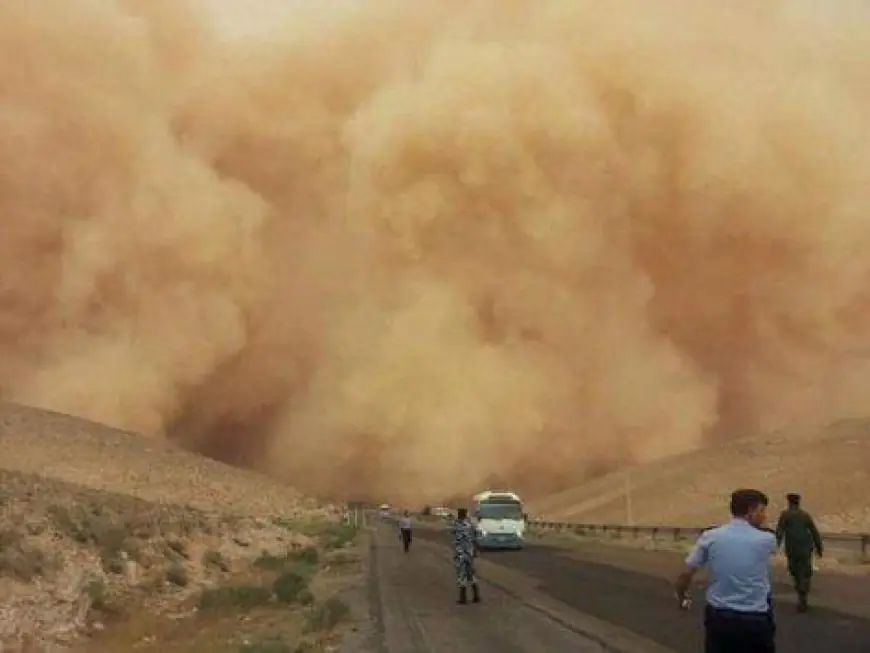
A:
(745, 501)
(462, 513)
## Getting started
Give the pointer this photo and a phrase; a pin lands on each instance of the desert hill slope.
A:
(74, 450)
(830, 467)
(107, 538)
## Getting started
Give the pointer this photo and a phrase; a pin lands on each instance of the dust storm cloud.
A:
(396, 248)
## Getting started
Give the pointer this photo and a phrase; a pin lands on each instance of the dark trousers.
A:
(727, 631)
(406, 538)
(800, 567)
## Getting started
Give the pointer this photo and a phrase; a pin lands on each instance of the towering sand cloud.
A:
(384, 246)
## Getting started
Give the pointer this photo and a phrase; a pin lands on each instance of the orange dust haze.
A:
(400, 248)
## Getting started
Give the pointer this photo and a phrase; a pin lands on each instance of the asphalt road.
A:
(414, 601)
(629, 590)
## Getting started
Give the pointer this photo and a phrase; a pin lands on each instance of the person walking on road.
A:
(797, 528)
(405, 530)
(738, 617)
(464, 553)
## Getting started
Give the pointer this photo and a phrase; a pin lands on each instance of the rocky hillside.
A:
(109, 541)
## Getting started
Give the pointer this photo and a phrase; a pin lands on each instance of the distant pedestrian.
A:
(405, 526)
(464, 553)
(738, 617)
(797, 528)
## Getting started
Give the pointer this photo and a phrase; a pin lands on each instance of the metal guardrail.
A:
(859, 543)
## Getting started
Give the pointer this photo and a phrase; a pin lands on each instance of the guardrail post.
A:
(865, 547)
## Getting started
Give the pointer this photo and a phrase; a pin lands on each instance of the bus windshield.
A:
(500, 511)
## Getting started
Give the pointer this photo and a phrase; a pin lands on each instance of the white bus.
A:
(499, 520)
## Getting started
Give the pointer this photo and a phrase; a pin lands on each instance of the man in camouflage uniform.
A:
(464, 553)
(802, 538)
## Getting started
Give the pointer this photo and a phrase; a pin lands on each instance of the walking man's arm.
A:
(695, 560)
(780, 528)
(817, 537)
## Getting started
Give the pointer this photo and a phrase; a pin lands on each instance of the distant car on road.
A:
(441, 511)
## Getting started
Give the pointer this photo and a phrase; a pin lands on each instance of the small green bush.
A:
(299, 560)
(288, 586)
(102, 600)
(113, 564)
(307, 556)
(234, 596)
(23, 564)
(73, 524)
(305, 597)
(214, 560)
(327, 615)
(268, 562)
(177, 575)
(330, 534)
(338, 536)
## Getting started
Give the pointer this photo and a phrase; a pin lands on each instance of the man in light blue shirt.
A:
(405, 526)
(739, 614)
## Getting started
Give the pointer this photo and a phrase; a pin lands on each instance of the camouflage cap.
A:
(793, 497)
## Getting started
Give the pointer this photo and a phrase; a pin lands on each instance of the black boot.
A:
(463, 596)
(475, 593)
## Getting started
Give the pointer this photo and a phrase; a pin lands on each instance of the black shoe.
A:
(463, 596)
(802, 605)
(475, 593)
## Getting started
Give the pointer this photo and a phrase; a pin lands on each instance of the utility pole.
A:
(629, 516)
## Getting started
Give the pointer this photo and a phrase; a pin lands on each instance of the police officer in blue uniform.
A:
(738, 617)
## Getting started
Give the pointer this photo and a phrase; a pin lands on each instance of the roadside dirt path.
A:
(416, 610)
